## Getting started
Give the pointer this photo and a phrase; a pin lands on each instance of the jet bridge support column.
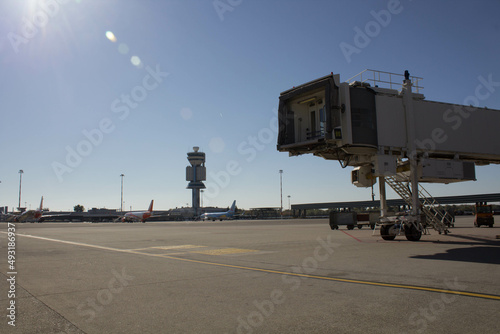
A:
(383, 198)
(410, 143)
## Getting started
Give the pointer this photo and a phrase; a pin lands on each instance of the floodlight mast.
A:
(395, 136)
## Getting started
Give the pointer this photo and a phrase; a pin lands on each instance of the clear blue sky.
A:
(61, 76)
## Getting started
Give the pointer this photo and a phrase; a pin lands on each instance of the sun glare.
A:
(110, 36)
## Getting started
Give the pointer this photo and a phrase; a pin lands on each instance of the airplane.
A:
(138, 215)
(29, 214)
(219, 215)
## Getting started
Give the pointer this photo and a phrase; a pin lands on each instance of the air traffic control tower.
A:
(195, 174)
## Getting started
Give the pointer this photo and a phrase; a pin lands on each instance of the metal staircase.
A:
(435, 217)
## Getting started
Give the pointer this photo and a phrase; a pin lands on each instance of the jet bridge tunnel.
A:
(355, 122)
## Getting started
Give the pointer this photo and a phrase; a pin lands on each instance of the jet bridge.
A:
(388, 130)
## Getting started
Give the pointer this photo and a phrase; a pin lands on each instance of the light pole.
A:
(202, 198)
(281, 192)
(20, 182)
(289, 206)
(121, 200)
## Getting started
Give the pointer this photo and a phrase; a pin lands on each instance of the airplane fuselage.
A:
(137, 216)
(220, 215)
(27, 215)
(215, 216)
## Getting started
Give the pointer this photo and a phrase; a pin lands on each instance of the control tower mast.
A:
(195, 174)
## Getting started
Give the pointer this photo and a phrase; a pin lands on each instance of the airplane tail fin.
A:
(233, 206)
(151, 206)
(41, 205)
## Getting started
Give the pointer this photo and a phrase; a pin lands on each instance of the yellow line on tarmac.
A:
(325, 278)
(224, 251)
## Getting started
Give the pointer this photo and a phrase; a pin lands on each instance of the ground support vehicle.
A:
(483, 215)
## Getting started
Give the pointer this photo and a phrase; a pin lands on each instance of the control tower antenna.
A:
(195, 174)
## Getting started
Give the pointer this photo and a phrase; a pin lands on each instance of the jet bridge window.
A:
(322, 121)
(316, 120)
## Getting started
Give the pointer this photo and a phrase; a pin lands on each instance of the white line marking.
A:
(389, 285)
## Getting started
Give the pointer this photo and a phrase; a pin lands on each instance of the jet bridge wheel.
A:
(388, 232)
(412, 233)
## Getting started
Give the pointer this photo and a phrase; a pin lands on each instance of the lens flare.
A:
(123, 48)
(110, 36)
(217, 145)
(136, 61)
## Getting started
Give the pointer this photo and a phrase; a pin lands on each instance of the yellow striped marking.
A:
(224, 251)
(169, 247)
(178, 247)
(325, 278)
